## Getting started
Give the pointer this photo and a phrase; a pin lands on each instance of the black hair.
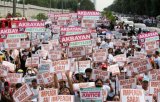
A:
(18, 85)
(66, 88)
(6, 83)
(98, 80)
(34, 80)
(157, 52)
(88, 70)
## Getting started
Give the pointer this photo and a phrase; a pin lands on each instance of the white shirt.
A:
(110, 58)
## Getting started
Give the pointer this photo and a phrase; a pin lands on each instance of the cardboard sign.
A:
(100, 55)
(154, 87)
(114, 69)
(74, 52)
(91, 94)
(87, 23)
(62, 98)
(132, 95)
(22, 94)
(99, 74)
(45, 95)
(25, 44)
(77, 86)
(12, 43)
(32, 62)
(120, 58)
(61, 65)
(151, 45)
(127, 83)
(11, 66)
(28, 79)
(81, 66)
(45, 78)
(140, 55)
(55, 55)
(141, 66)
(73, 38)
(14, 77)
(3, 70)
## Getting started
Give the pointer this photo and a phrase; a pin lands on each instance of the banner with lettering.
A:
(71, 31)
(12, 43)
(100, 55)
(77, 86)
(22, 94)
(32, 62)
(127, 83)
(74, 52)
(120, 58)
(25, 44)
(3, 70)
(45, 95)
(91, 94)
(55, 55)
(45, 78)
(151, 45)
(81, 66)
(14, 77)
(132, 95)
(61, 65)
(114, 69)
(154, 87)
(62, 98)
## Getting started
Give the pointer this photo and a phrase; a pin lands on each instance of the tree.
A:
(41, 16)
(86, 5)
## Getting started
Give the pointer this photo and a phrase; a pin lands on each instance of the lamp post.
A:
(23, 8)
(14, 8)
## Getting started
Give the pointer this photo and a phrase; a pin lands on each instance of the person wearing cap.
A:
(144, 85)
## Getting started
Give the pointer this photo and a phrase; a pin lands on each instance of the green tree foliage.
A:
(109, 15)
(41, 16)
(86, 5)
(140, 7)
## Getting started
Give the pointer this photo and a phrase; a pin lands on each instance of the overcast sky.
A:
(101, 4)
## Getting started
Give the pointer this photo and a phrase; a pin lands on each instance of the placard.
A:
(91, 94)
(55, 55)
(62, 98)
(132, 95)
(32, 62)
(77, 86)
(45, 78)
(81, 66)
(151, 45)
(3, 70)
(74, 52)
(114, 69)
(99, 74)
(61, 65)
(45, 95)
(14, 77)
(25, 44)
(154, 87)
(140, 55)
(100, 55)
(120, 58)
(12, 43)
(127, 83)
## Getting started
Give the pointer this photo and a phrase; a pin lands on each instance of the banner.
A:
(12, 43)
(22, 94)
(55, 55)
(154, 87)
(62, 98)
(100, 55)
(17, 36)
(151, 45)
(32, 62)
(99, 74)
(120, 58)
(28, 79)
(132, 95)
(80, 43)
(61, 65)
(77, 86)
(45, 78)
(140, 55)
(81, 66)
(74, 52)
(14, 77)
(91, 94)
(88, 13)
(71, 31)
(45, 95)
(25, 44)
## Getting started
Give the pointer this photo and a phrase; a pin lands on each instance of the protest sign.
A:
(74, 52)
(151, 45)
(3, 70)
(11, 66)
(141, 66)
(61, 65)
(99, 74)
(62, 98)
(100, 55)
(25, 44)
(12, 43)
(158, 96)
(55, 55)
(148, 98)
(114, 69)
(80, 43)
(70, 31)
(132, 95)
(140, 55)
(17, 36)
(77, 86)
(44, 68)
(81, 66)
(146, 37)
(120, 58)
(88, 23)
(88, 13)
(28, 79)
(32, 62)
(45, 95)
(73, 38)
(127, 83)
(154, 87)
(4, 32)
(22, 94)
(91, 94)
(45, 78)
(35, 42)
(46, 47)
(32, 26)
(61, 76)
(14, 77)
(42, 53)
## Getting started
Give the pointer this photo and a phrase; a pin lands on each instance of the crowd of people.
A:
(133, 61)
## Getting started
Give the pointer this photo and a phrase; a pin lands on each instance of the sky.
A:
(101, 4)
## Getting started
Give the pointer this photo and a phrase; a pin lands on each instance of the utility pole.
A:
(14, 8)
(23, 8)
(50, 6)
(62, 6)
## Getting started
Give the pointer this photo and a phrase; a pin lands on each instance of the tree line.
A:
(136, 7)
